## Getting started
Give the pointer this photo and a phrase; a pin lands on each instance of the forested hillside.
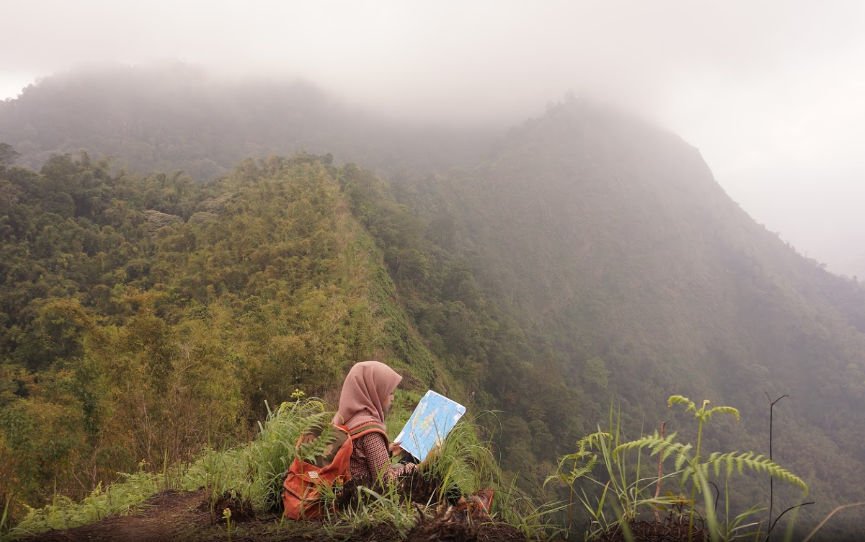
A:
(612, 245)
(144, 318)
(148, 318)
(582, 259)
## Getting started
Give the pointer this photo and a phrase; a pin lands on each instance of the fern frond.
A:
(699, 473)
(665, 446)
(569, 476)
(753, 462)
(593, 441)
(723, 410)
(582, 461)
(653, 440)
(683, 457)
(681, 400)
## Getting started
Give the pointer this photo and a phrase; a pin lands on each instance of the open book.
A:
(429, 424)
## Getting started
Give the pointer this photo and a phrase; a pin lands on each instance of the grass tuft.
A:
(63, 513)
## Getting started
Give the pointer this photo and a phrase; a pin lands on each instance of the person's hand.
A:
(395, 449)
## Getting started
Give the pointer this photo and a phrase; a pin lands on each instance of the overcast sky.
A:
(771, 92)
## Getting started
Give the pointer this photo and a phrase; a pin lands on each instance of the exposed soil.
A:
(456, 531)
(670, 529)
(190, 516)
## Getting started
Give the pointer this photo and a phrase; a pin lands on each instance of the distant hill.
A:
(175, 117)
(610, 241)
(580, 257)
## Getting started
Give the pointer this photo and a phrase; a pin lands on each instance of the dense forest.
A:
(580, 260)
(148, 317)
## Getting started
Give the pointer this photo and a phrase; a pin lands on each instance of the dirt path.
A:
(173, 515)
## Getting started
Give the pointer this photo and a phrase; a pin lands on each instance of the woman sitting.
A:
(365, 399)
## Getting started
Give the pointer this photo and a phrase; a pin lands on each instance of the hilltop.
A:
(582, 258)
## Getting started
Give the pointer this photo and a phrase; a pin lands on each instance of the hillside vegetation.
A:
(146, 318)
(618, 254)
(581, 260)
(149, 318)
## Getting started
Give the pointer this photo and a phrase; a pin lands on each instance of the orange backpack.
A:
(305, 482)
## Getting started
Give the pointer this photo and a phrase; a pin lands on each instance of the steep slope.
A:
(610, 239)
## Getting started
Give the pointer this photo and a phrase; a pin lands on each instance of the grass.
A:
(253, 474)
(117, 499)
(464, 461)
(373, 509)
(5, 517)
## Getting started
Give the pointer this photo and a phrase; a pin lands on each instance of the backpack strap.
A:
(366, 428)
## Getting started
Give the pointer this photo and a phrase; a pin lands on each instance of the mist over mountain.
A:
(581, 257)
(176, 117)
(611, 239)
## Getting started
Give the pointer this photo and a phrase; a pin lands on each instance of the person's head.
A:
(367, 393)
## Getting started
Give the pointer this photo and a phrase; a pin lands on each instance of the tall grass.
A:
(605, 478)
(464, 461)
(253, 474)
(372, 509)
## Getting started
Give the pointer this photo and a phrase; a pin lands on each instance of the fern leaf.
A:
(649, 440)
(681, 400)
(724, 410)
(756, 463)
(683, 455)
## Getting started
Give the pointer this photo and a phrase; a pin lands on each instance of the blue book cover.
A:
(429, 424)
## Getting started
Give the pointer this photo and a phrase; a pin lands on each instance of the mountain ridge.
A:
(590, 254)
(643, 269)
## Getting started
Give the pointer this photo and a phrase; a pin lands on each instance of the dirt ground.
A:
(189, 516)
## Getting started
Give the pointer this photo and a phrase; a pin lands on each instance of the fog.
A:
(772, 93)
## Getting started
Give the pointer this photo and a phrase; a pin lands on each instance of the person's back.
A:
(366, 397)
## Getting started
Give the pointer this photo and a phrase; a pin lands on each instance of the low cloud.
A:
(766, 90)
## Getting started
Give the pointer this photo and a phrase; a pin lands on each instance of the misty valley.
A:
(188, 268)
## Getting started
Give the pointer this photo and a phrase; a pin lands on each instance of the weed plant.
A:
(625, 489)
(373, 509)
(463, 461)
(535, 521)
(5, 517)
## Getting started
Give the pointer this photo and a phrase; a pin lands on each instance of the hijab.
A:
(365, 393)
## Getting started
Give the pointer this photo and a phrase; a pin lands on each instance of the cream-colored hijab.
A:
(365, 393)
